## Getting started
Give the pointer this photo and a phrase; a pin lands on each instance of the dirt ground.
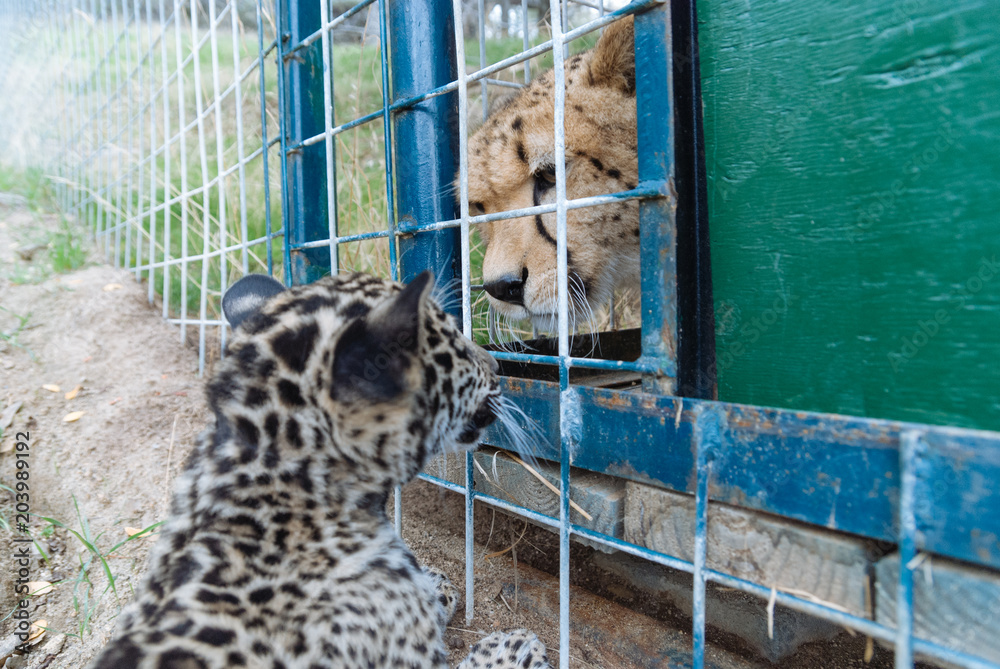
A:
(140, 407)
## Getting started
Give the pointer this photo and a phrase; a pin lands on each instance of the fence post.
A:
(426, 141)
(303, 168)
(658, 235)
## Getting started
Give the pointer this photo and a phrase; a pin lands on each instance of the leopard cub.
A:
(278, 553)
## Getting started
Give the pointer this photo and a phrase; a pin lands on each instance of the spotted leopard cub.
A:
(278, 553)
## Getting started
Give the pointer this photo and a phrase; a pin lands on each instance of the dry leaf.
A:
(75, 282)
(7, 446)
(51, 387)
(7, 416)
(115, 401)
(37, 631)
(132, 531)
(111, 287)
(39, 587)
(72, 417)
(73, 393)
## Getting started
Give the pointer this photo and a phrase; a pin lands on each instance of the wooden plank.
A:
(829, 566)
(954, 604)
(602, 497)
(853, 160)
(734, 613)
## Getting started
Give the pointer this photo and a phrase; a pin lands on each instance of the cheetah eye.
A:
(545, 176)
(476, 208)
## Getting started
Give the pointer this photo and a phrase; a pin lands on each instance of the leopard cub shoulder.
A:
(278, 553)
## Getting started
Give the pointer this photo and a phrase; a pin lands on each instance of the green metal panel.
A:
(853, 159)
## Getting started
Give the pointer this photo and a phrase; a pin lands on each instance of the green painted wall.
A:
(853, 157)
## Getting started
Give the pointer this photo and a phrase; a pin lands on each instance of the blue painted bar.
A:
(839, 472)
(423, 47)
(303, 168)
(657, 237)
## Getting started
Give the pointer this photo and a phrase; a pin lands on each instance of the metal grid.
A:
(122, 143)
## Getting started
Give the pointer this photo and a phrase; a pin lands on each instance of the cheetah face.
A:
(511, 165)
(375, 373)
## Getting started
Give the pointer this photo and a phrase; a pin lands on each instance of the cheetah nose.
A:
(507, 289)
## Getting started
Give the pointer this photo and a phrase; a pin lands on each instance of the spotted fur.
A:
(278, 553)
(511, 165)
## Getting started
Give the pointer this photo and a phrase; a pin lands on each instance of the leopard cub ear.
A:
(613, 65)
(248, 296)
(375, 352)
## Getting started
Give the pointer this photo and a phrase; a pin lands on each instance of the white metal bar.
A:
(562, 306)
(150, 282)
(184, 176)
(463, 179)
(119, 129)
(167, 176)
(140, 188)
(331, 172)
(240, 147)
(206, 195)
(482, 57)
(220, 167)
(525, 39)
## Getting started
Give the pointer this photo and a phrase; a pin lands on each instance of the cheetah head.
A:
(511, 165)
(370, 372)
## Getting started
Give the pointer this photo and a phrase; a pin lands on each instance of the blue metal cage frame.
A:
(920, 487)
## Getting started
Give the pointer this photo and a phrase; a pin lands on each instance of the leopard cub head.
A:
(370, 374)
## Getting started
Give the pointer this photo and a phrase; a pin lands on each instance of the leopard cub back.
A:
(278, 553)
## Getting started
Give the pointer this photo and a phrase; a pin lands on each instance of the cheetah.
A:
(511, 165)
(278, 553)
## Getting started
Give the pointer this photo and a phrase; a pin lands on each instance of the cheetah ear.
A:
(374, 353)
(613, 65)
(247, 296)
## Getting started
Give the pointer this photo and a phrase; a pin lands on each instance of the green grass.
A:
(31, 184)
(66, 249)
(85, 597)
(11, 336)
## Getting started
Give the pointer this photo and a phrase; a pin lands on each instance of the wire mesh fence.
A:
(200, 141)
